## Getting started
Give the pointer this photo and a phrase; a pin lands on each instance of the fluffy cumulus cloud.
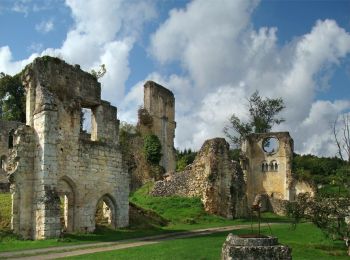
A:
(102, 33)
(226, 60)
(223, 57)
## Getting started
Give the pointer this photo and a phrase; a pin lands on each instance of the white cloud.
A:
(104, 32)
(45, 26)
(226, 59)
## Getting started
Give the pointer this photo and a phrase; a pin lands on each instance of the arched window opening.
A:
(10, 141)
(3, 162)
(273, 165)
(64, 212)
(66, 194)
(264, 166)
(105, 212)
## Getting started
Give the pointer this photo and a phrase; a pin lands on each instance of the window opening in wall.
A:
(103, 215)
(273, 165)
(3, 162)
(64, 212)
(270, 145)
(10, 141)
(264, 167)
(85, 120)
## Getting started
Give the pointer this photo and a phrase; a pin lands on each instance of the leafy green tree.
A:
(152, 149)
(262, 116)
(184, 158)
(12, 98)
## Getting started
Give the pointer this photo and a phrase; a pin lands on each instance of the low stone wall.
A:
(213, 177)
(254, 248)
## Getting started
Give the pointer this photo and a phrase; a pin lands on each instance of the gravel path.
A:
(64, 251)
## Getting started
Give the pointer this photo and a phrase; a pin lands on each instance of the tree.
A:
(341, 133)
(12, 98)
(262, 116)
(330, 214)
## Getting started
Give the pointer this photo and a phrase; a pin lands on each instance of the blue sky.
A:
(212, 54)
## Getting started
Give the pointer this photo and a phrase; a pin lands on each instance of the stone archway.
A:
(66, 191)
(105, 213)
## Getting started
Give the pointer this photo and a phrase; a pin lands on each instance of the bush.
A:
(152, 149)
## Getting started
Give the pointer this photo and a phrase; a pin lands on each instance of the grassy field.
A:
(182, 214)
(307, 242)
(5, 211)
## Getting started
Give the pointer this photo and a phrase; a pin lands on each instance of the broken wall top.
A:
(66, 81)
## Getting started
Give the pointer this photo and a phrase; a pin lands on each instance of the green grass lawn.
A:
(182, 214)
(5, 211)
(307, 242)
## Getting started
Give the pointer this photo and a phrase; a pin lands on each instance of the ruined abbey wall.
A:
(54, 161)
(213, 177)
(7, 128)
(159, 103)
(267, 165)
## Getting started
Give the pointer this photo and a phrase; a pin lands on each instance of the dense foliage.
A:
(262, 116)
(321, 170)
(184, 158)
(12, 98)
(327, 213)
(152, 149)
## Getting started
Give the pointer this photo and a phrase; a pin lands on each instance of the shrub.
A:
(152, 149)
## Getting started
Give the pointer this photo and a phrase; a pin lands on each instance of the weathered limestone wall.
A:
(268, 172)
(298, 187)
(7, 128)
(213, 177)
(159, 102)
(67, 165)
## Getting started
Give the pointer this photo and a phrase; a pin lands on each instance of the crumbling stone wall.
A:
(158, 118)
(262, 177)
(269, 173)
(7, 129)
(53, 161)
(213, 177)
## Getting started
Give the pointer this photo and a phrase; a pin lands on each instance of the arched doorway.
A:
(105, 212)
(66, 193)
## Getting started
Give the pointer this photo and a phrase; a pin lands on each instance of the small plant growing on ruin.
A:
(99, 73)
(152, 149)
(144, 117)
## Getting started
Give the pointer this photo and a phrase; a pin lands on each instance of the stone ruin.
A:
(159, 119)
(157, 116)
(7, 129)
(267, 165)
(52, 161)
(213, 177)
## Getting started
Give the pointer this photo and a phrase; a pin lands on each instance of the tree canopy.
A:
(12, 98)
(262, 117)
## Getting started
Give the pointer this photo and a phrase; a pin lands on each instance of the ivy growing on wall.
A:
(152, 149)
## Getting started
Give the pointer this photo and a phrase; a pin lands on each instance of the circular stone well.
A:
(254, 247)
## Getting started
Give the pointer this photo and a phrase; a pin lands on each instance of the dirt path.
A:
(64, 251)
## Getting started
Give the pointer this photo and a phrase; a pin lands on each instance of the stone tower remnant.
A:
(267, 165)
(53, 162)
(159, 106)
